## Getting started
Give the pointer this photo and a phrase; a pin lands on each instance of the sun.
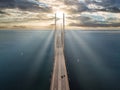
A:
(59, 14)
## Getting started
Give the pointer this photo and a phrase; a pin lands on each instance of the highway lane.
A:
(59, 77)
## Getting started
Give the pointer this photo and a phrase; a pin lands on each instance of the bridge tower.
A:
(59, 79)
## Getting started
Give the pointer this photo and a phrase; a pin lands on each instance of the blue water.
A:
(26, 59)
(93, 59)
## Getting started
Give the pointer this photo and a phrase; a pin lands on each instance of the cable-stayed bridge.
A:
(59, 77)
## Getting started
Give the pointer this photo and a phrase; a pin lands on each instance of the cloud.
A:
(30, 5)
(104, 5)
(78, 6)
(94, 25)
(94, 20)
(80, 13)
(94, 13)
(75, 6)
(2, 12)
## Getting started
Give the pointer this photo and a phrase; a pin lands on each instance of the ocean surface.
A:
(92, 57)
(26, 60)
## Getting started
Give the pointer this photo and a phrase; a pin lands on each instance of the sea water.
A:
(26, 59)
(93, 59)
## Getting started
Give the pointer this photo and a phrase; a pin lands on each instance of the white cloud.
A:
(80, 12)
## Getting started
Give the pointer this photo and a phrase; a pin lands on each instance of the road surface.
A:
(59, 77)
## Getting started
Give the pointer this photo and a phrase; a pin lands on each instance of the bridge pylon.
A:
(59, 76)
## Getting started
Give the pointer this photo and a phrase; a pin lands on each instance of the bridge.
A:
(59, 76)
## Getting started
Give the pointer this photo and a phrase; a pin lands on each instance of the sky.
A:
(80, 14)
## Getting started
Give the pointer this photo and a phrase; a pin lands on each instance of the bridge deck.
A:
(59, 77)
